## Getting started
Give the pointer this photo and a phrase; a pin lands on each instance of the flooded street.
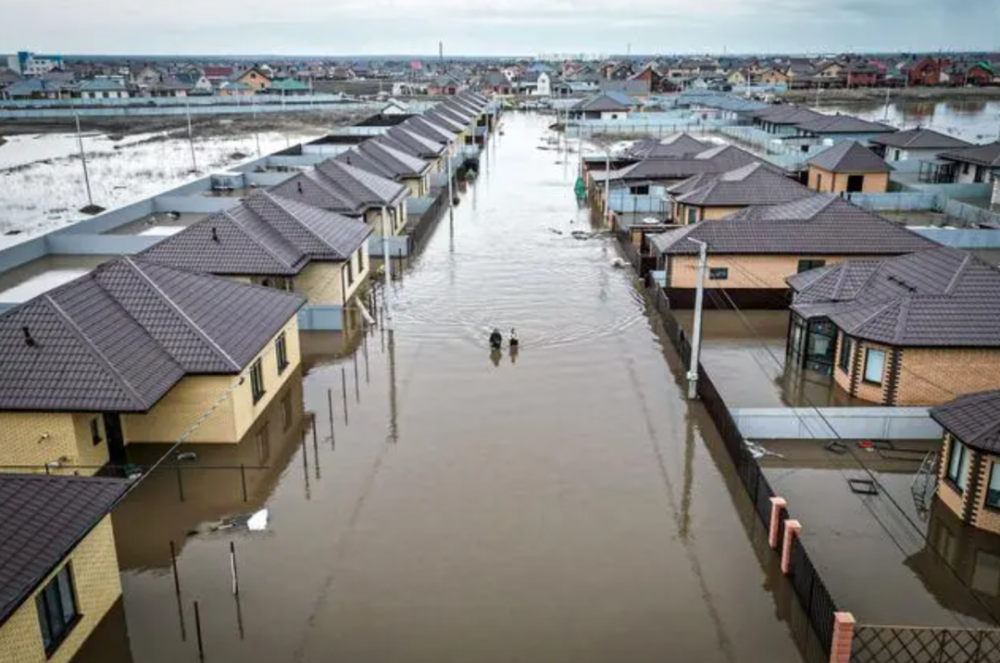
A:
(562, 504)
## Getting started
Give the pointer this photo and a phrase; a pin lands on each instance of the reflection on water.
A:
(971, 120)
(561, 508)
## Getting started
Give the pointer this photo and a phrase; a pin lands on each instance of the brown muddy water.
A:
(563, 504)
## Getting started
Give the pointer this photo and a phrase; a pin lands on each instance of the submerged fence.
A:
(892, 644)
(809, 587)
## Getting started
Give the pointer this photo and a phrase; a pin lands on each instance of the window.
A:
(257, 381)
(281, 349)
(718, 273)
(692, 215)
(819, 181)
(993, 487)
(806, 265)
(958, 465)
(874, 365)
(95, 431)
(846, 349)
(965, 169)
(896, 155)
(642, 190)
(57, 614)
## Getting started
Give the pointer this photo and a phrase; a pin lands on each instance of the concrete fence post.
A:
(778, 504)
(843, 637)
(792, 528)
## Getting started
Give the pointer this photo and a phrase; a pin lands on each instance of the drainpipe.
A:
(387, 262)
(698, 310)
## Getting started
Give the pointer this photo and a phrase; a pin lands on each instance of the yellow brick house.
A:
(969, 466)
(58, 566)
(849, 167)
(136, 351)
(752, 252)
(708, 197)
(913, 330)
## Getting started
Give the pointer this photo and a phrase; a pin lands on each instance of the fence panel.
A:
(903, 644)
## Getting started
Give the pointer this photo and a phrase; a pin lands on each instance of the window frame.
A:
(952, 473)
(718, 273)
(846, 353)
(257, 389)
(814, 262)
(44, 603)
(95, 431)
(281, 352)
(994, 470)
(864, 371)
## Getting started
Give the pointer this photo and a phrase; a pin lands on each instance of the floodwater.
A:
(561, 504)
(971, 120)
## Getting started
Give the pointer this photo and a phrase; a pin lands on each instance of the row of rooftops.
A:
(117, 338)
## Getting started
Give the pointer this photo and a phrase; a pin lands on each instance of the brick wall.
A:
(97, 585)
(68, 436)
(744, 271)
(828, 182)
(322, 282)
(716, 213)
(245, 411)
(983, 517)
(936, 376)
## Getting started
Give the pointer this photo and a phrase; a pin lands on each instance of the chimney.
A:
(215, 235)
(28, 340)
(298, 185)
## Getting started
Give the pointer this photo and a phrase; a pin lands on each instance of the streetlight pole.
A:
(698, 310)
(194, 163)
(83, 160)
(387, 263)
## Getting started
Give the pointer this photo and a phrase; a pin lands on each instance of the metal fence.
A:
(809, 587)
(912, 644)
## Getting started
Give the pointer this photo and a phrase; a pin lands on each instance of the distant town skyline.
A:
(499, 28)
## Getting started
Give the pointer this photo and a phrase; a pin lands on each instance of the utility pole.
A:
(194, 163)
(698, 311)
(387, 262)
(83, 160)
(451, 194)
(607, 184)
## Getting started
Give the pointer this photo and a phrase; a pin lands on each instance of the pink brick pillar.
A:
(843, 636)
(778, 504)
(792, 528)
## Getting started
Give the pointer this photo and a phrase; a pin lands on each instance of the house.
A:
(602, 106)
(339, 187)
(136, 351)
(928, 71)
(195, 82)
(36, 88)
(445, 85)
(60, 569)
(842, 127)
(496, 82)
(30, 64)
(379, 157)
(652, 77)
(974, 165)
(782, 120)
(863, 74)
(707, 197)
(918, 329)
(752, 252)
(414, 144)
(832, 71)
(968, 480)
(738, 77)
(254, 78)
(102, 88)
(678, 146)
(774, 77)
(915, 144)
(168, 86)
(218, 74)
(289, 87)
(277, 243)
(231, 89)
(848, 167)
(980, 74)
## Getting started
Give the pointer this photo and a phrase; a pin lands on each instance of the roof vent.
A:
(28, 339)
(215, 234)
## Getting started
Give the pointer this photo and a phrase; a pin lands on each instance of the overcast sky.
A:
(496, 27)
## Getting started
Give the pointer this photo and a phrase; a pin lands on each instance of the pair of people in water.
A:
(496, 339)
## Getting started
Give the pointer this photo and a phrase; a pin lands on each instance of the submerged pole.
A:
(698, 311)
(387, 262)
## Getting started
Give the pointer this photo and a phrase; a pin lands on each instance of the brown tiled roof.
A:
(117, 339)
(942, 297)
(850, 157)
(264, 234)
(822, 224)
(843, 124)
(716, 160)
(413, 143)
(340, 187)
(752, 184)
(42, 519)
(983, 155)
(920, 139)
(974, 419)
(681, 146)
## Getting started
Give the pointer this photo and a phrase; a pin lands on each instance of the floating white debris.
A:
(258, 521)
